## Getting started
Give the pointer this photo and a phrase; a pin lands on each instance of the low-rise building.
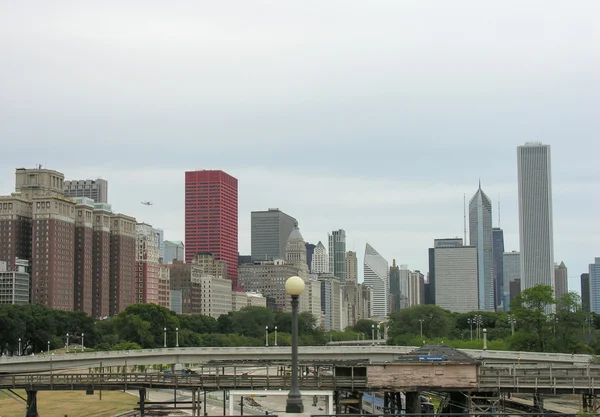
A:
(14, 282)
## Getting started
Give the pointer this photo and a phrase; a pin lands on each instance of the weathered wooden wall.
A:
(415, 375)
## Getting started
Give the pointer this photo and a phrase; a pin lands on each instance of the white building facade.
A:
(536, 234)
(376, 275)
(456, 278)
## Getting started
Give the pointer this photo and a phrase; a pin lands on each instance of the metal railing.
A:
(59, 381)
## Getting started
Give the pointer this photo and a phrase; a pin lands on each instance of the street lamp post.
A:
(512, 320)
(48, 347)
(267, 336)
(470, 321)
(484, 339)
(165, 337)
(275, 335)
(19, 346)
(373, 333)
(421, 325)
(176, 336)
(479, 323)
(67, 342)
(379, 331)
(294, 286)
(82, 343)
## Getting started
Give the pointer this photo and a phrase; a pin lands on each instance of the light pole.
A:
(470, 321)
(165, 337)
(294, 286)
(421, 325)
(19, 346)
(512, 320)
(48, 347)
(267, 336)
(176, 336)
(82, 343)
(484, 339)
(373, 334)
(479, 323)
(379, 331)
(67, 342)
(275, 335)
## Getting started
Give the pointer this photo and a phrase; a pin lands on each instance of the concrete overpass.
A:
(204, 355)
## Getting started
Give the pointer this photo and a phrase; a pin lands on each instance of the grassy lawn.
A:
(70, 403)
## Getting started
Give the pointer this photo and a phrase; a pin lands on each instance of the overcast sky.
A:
(371, 116)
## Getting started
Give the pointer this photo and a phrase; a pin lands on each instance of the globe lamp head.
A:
(294, 286)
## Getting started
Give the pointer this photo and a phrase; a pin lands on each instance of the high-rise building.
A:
(511, 270)
(268, 278)
(310, 250)
(416, 285)
(216, 295)
(295, 252)
(351, 267)
(15, 228)
(173, 250)
(160, 240)
(211, 217)
(594, 273)
(376, 275)
(456, 278)
(585, 291)
(101, 260)
(398, 287)
(14, 282)
(430, 295)
(96, 189)
(186, 287)
(497, 252)
(320, 260)
(331, 299)
(337, 253)
(147, 262)
(480, 236)
(122, 262)
(164, 287)
(514, 289)
(535, 215)
(209, 265)
(84, 248)
(561, 281)
(270, 231)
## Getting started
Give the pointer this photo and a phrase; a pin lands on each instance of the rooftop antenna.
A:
(499, 211)
(465, 218)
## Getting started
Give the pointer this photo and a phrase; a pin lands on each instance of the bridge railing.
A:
(560, 383)
(49, 381)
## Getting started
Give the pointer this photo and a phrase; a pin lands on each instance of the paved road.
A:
(205, 355)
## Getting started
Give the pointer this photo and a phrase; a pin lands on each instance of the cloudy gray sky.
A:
(375, 117)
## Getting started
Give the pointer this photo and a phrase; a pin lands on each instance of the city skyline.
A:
(353, 98)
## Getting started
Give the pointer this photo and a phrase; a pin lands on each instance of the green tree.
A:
(434, 320)
(568, 322)
(529, 308)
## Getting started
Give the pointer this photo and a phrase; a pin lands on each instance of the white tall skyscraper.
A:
(480, 236)
(535, 215)
(320, 260)
(376, 275)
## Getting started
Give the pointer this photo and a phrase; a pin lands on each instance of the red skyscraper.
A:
(211, 217)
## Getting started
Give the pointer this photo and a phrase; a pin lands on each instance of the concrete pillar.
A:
(538, 402)
(142, 402)
(413, 402)
(32, 404)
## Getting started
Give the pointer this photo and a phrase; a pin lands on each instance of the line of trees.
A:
(540, 322)
(567, 329)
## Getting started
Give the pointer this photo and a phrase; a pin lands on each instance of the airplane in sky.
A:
(147, 203)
